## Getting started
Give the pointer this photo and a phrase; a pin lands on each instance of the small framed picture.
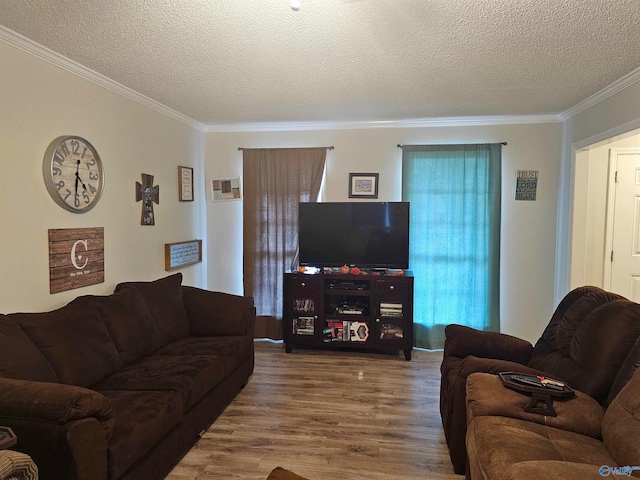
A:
(363, 185)
(225, 189)
(185, 184)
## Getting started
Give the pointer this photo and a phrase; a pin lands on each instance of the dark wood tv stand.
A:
(366, 311)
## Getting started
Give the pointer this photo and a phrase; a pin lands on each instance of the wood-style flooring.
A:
(328, 415)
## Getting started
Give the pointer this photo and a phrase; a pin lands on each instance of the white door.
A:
(624, 236)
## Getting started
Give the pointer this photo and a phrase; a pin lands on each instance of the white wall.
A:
(39, 102)
(528, 228)
(609, 117)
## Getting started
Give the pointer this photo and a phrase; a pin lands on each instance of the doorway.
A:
(590, 260)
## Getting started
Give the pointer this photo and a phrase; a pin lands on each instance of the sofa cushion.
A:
(75, 341)
(486, 395)
(215, 313)
(19, 357)
(497, 445)
(233, 351)
(164, 300)
(190, 376)
(141, 420)
(621, 424)
(130, 324)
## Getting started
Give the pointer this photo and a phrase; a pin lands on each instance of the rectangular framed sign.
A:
(182, 254)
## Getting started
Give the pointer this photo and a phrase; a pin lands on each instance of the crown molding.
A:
(27, 45)
(409, 123)
(620, 84)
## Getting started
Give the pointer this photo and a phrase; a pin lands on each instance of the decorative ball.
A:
(302, 269)
(399, 272)
(355, 271)
(344, 269)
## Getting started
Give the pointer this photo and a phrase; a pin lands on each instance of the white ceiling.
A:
(225, 62)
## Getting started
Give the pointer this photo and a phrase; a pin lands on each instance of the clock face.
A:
(73, 173)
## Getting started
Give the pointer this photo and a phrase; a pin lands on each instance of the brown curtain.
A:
(275, 181)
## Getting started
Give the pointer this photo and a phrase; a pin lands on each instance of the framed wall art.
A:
(363, 185)
(185, 184)
(76, 258)
(225, 189)
(182, 254)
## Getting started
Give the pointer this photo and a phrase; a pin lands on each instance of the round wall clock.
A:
(73, 173)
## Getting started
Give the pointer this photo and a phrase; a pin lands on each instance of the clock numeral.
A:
(65, 149)
(85, 196)
(90, 163)
(58, 158)
(67, 195)
(76, 201)
(56, 171)
(92, 188)
(60, 184)
(75, 147)
(93, 176)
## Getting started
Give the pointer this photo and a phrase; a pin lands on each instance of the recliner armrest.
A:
(53, 403)
(463, 341)
(471, 364)
(487, 396)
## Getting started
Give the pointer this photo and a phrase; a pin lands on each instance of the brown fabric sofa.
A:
(120, 386)
(587, 340)
(280, 473)
(584, 441)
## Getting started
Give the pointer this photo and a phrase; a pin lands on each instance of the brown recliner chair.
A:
(587, 340)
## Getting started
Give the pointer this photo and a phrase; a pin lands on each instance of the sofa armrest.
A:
(23, 400)
(462, 341)
(218, 314)
(487, 396)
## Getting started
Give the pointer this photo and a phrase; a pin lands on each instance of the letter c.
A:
(73, 255)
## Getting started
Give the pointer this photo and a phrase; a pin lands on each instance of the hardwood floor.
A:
(328, 415)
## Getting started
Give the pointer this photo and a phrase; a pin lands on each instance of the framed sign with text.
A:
(76, 258)
(182, 254)
(185, 184)
(526, 184)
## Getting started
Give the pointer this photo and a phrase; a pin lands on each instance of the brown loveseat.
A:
(584, 441)
(120, 386)
(587, 340)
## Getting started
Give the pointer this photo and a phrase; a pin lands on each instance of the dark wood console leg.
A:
(407, 354)
(288, 348)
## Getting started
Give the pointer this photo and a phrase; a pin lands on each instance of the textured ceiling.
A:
(244, 61)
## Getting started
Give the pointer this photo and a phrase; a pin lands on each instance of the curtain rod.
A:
(501, 143)
(328, 148)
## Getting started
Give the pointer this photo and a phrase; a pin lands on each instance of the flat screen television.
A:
(364, 234)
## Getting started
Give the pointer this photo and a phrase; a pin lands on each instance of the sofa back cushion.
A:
(621, 424)
(587, 345)
(19, 357)
(129, 322)
(164, 300)
(629, 367)
(74, 340)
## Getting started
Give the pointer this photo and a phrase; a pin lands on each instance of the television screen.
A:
(364, 234)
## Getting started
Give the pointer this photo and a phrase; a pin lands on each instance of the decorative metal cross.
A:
(146, 192)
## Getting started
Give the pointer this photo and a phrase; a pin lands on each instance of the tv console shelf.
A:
(333, 310)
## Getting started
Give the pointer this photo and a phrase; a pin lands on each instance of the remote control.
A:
(527, 380)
